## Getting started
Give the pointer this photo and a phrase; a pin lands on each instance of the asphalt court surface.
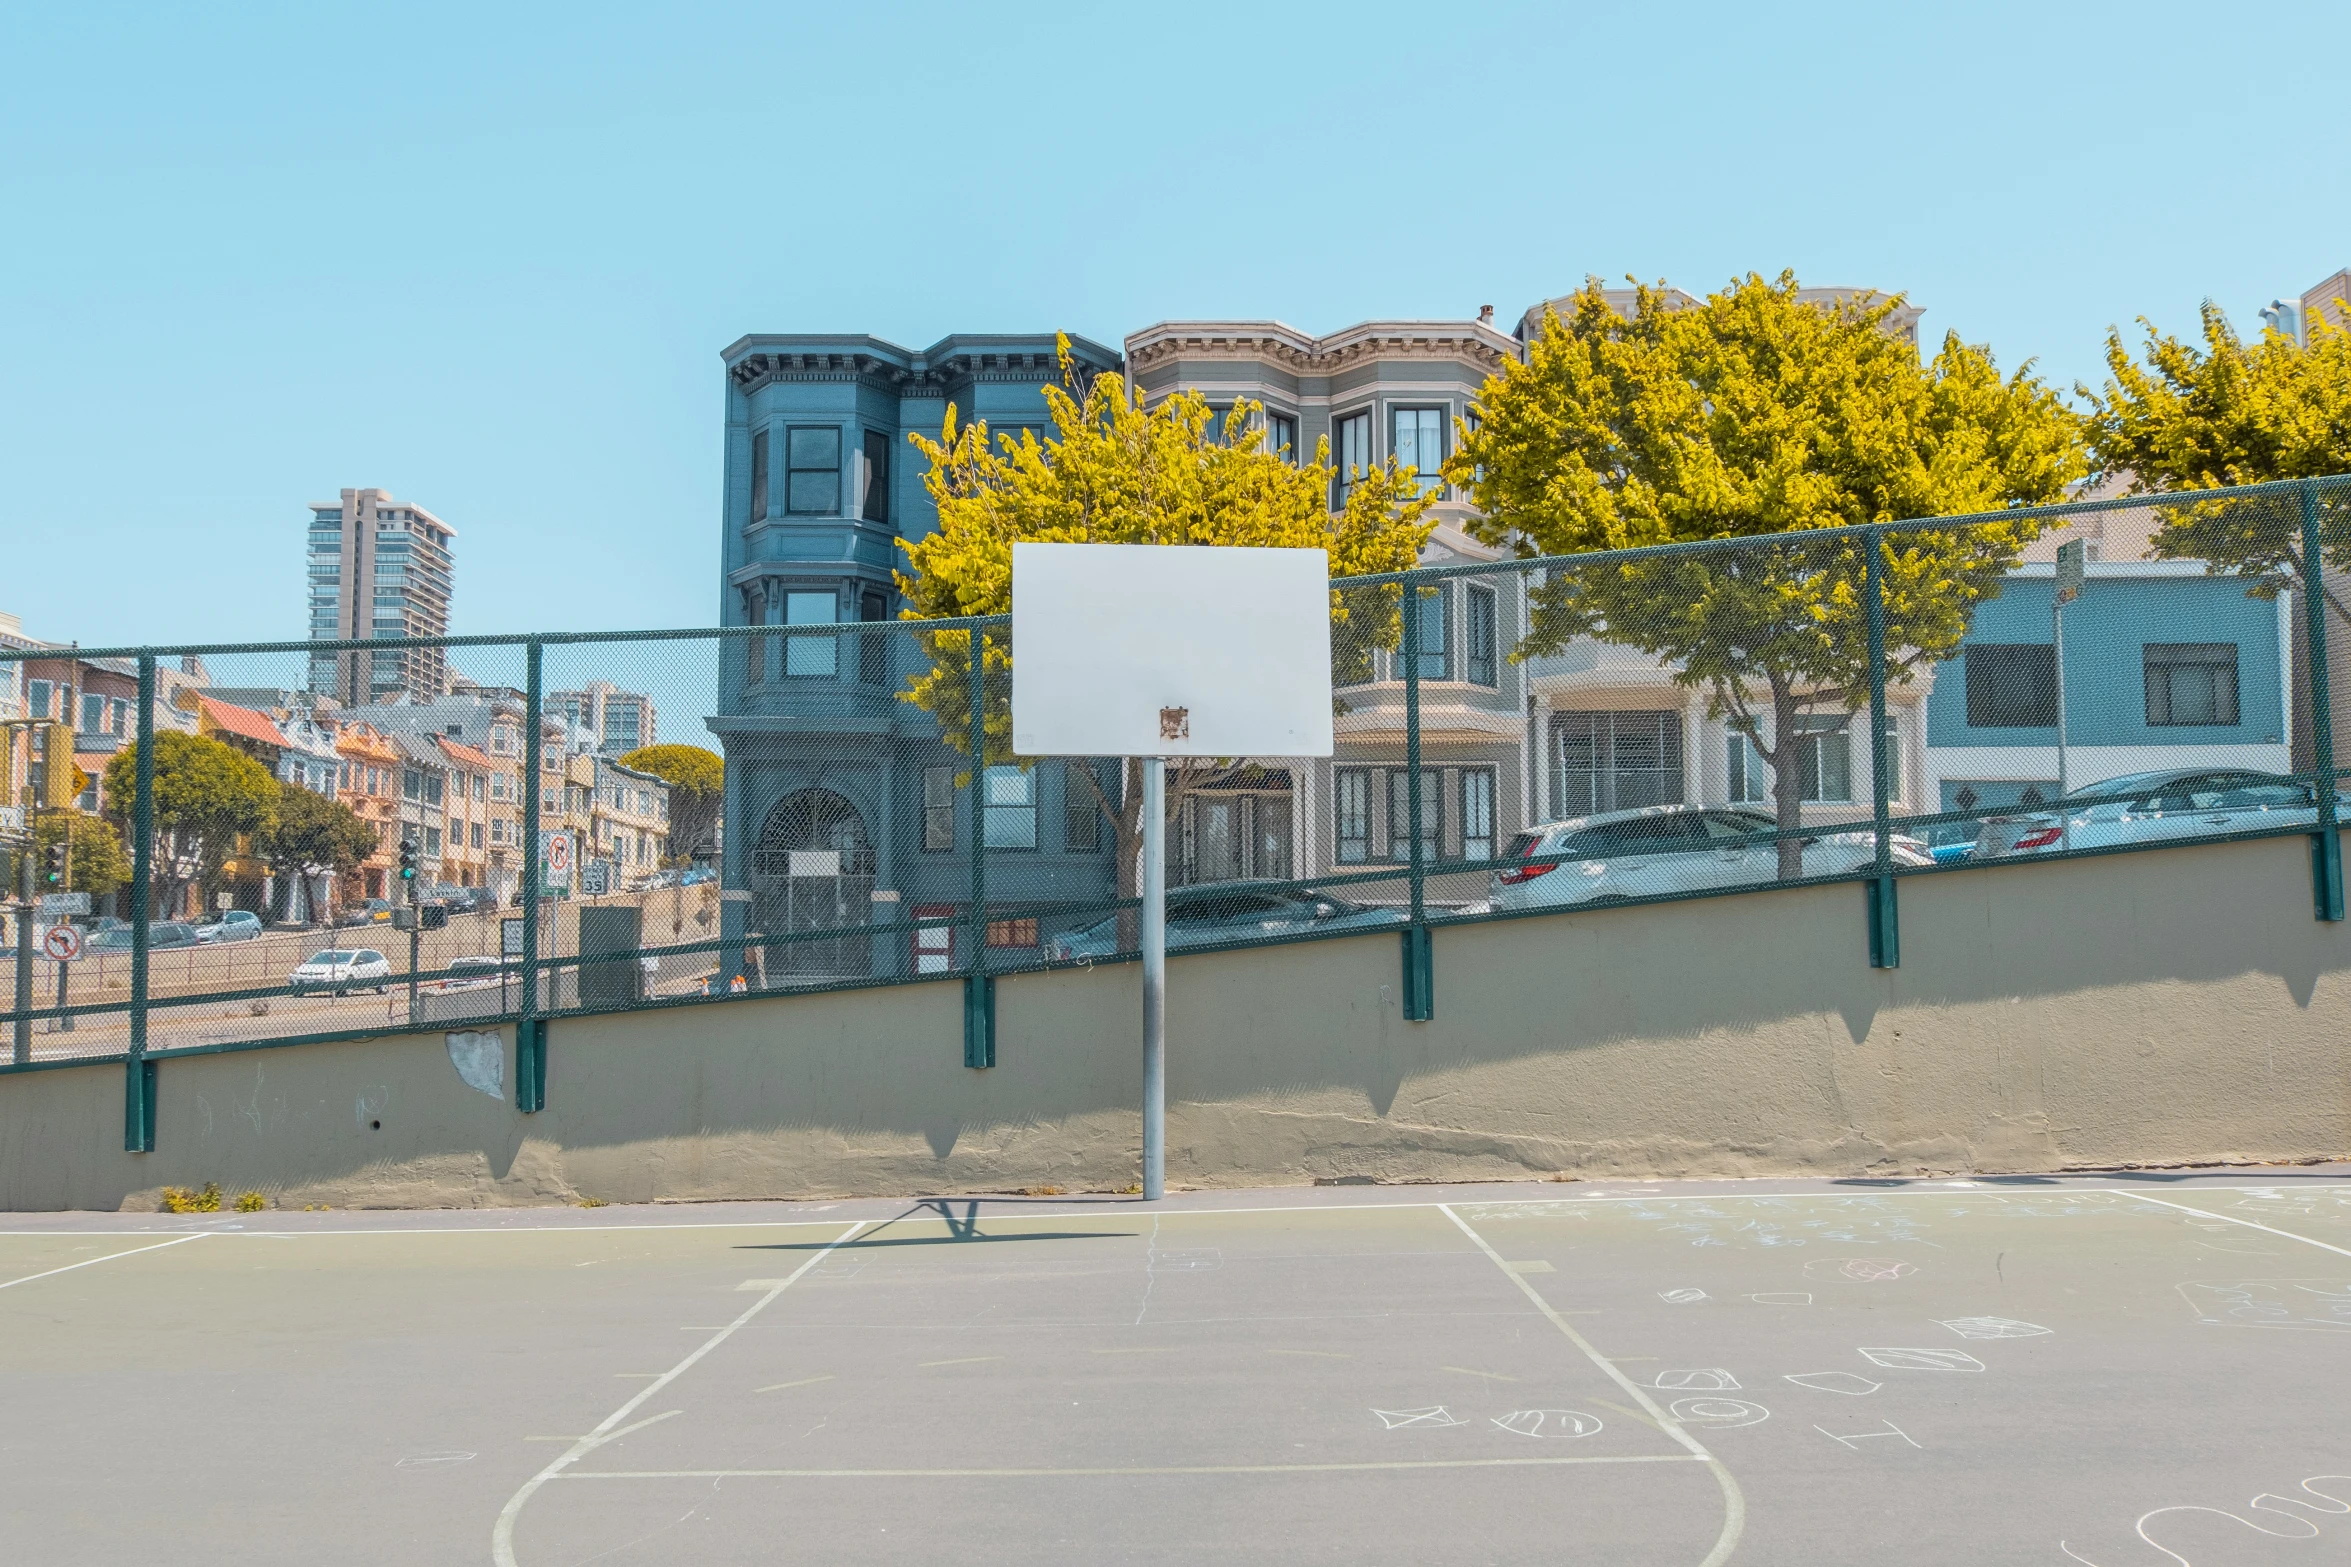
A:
(2118, 1369)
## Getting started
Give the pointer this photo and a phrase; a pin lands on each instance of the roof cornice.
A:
(761, 358)
(1283, 344)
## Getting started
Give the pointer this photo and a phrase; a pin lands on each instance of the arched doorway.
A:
(813, 871)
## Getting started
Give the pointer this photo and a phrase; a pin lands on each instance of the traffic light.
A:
(408, 859)
(58, 854)
(60, 779)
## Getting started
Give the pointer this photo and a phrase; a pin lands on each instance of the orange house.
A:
(370, 784)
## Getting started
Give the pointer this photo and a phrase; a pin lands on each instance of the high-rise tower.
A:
(378, 568)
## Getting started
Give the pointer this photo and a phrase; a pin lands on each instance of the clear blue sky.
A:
(486, 255)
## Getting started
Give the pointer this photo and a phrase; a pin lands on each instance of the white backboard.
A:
(1170, 650)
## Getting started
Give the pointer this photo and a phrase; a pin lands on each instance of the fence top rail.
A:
(2054, 512)
(2040, 514)
(851, 628)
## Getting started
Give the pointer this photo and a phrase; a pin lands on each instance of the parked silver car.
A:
(232, 925)
(2152, 808)
(160, 934)
(1617, 856)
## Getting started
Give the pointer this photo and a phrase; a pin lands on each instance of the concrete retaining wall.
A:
(2162, 1007)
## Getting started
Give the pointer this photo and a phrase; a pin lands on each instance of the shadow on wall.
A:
(2099, 1009)
(2130, 944)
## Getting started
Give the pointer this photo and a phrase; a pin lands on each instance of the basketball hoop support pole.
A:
(1154, 978)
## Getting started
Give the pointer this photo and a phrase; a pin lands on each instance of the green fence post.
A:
(1885, 921)
(530, 1029)
(979, 986)
(2326, 845)
(1420, 976)
(138, 1100)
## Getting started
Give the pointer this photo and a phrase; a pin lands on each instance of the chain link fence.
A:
(308, 841)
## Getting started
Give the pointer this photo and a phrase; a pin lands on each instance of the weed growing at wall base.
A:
(179, 1199)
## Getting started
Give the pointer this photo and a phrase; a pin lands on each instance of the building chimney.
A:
(1485, 315)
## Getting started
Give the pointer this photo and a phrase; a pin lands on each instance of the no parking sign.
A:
(555, 862)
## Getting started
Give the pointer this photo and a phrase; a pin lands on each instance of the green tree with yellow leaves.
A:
(1758, 415)
(1111, 471)
(209, 799)
(2230, 412)
(697, 779)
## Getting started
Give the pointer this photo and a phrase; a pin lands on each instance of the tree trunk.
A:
(1126, 830)
(1126, 824)
(1787, 775)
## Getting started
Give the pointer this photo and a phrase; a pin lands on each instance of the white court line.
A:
(1138, 1469)
(2248, 1223)
(1017, 1214)
(92, 1262)
(502, 1533)
(1734, 1504)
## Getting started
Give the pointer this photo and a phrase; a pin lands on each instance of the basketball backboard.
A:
(1170, 650)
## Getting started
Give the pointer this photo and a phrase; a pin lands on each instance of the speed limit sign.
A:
(63, 943)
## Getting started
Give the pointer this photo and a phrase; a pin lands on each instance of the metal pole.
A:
(977, 695)
(2326, 847)
(2057, 653)
(1884, 939)
(138, 1132)
(1419, 949)
(1154, 978)
(65, 1018)
(24, 947)
(415, 937)
(528, 1078)
(1411, 655)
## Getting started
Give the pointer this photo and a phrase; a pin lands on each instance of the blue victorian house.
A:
(843, 805)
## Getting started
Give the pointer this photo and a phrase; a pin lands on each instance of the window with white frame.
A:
(1350, 455)
(938, 810)
(1432, 814)
(1351, 814)
(1824, 760)
(1430, 624)
(1480, 609)
(1749, 779)
(1477, 813)
(1281, 437)
(1417, 441)
(2190, 684)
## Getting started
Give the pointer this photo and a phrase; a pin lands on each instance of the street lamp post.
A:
(2071, 557)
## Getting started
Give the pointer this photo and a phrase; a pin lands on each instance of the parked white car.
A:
(2151, 808)
(1616, 856)
(339, 970)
